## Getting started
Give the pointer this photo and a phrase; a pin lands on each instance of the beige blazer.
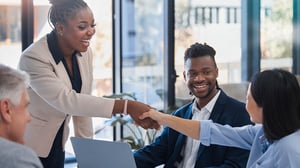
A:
(52, 99)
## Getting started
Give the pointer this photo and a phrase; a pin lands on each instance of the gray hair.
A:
(12, 83)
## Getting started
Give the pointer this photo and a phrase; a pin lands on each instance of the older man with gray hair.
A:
(14, 116)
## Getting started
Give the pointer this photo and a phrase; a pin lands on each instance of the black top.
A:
(58, 56)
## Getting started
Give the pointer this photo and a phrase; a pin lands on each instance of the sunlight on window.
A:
(10, 32)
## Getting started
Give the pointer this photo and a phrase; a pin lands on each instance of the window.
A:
(276, 34)
(10, 32)
(142, 55)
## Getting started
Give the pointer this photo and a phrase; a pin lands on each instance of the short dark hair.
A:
(199, 50)
(278, 93)
(62, 10)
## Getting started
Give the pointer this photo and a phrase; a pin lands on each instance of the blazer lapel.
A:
(218, 107)
(181, 139)
(85, 73)
(215, 116)
(62, 73)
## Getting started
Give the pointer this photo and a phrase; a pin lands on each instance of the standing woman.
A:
(60, 68)
(273, 102)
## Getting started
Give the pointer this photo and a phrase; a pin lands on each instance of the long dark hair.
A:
(278, 93)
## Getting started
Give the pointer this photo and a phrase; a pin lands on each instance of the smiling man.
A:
(174, 149)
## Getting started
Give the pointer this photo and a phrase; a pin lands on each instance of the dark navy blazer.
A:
(167, 147)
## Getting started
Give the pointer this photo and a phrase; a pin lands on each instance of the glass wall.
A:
(142, 55)
(276, 34)
(10, 32)
(217, 23)
(142, 63)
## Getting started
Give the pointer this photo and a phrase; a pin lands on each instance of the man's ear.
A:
(5, 110)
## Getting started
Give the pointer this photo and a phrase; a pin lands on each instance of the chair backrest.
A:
(236, 90)
(298, 78)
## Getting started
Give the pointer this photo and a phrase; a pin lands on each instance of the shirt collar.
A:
(54, 48)
(209, 106)
(264, 143)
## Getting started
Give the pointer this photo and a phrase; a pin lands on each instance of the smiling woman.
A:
(60, 65)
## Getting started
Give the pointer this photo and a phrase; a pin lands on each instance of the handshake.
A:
(138, 111)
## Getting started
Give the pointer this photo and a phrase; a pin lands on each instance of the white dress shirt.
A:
(190, 149)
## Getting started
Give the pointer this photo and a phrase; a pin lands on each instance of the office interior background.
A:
(139, 44)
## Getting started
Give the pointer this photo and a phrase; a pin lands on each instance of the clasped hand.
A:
(136, 110)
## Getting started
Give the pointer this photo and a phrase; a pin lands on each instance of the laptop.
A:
(91, 153)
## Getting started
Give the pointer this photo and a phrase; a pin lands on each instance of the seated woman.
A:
(273, 104)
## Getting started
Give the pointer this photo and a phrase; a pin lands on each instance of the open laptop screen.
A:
(92, 153)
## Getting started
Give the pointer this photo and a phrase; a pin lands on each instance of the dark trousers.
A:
(56, 157)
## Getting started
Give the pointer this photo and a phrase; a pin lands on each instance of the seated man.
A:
(174, 149)
(13, 119)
